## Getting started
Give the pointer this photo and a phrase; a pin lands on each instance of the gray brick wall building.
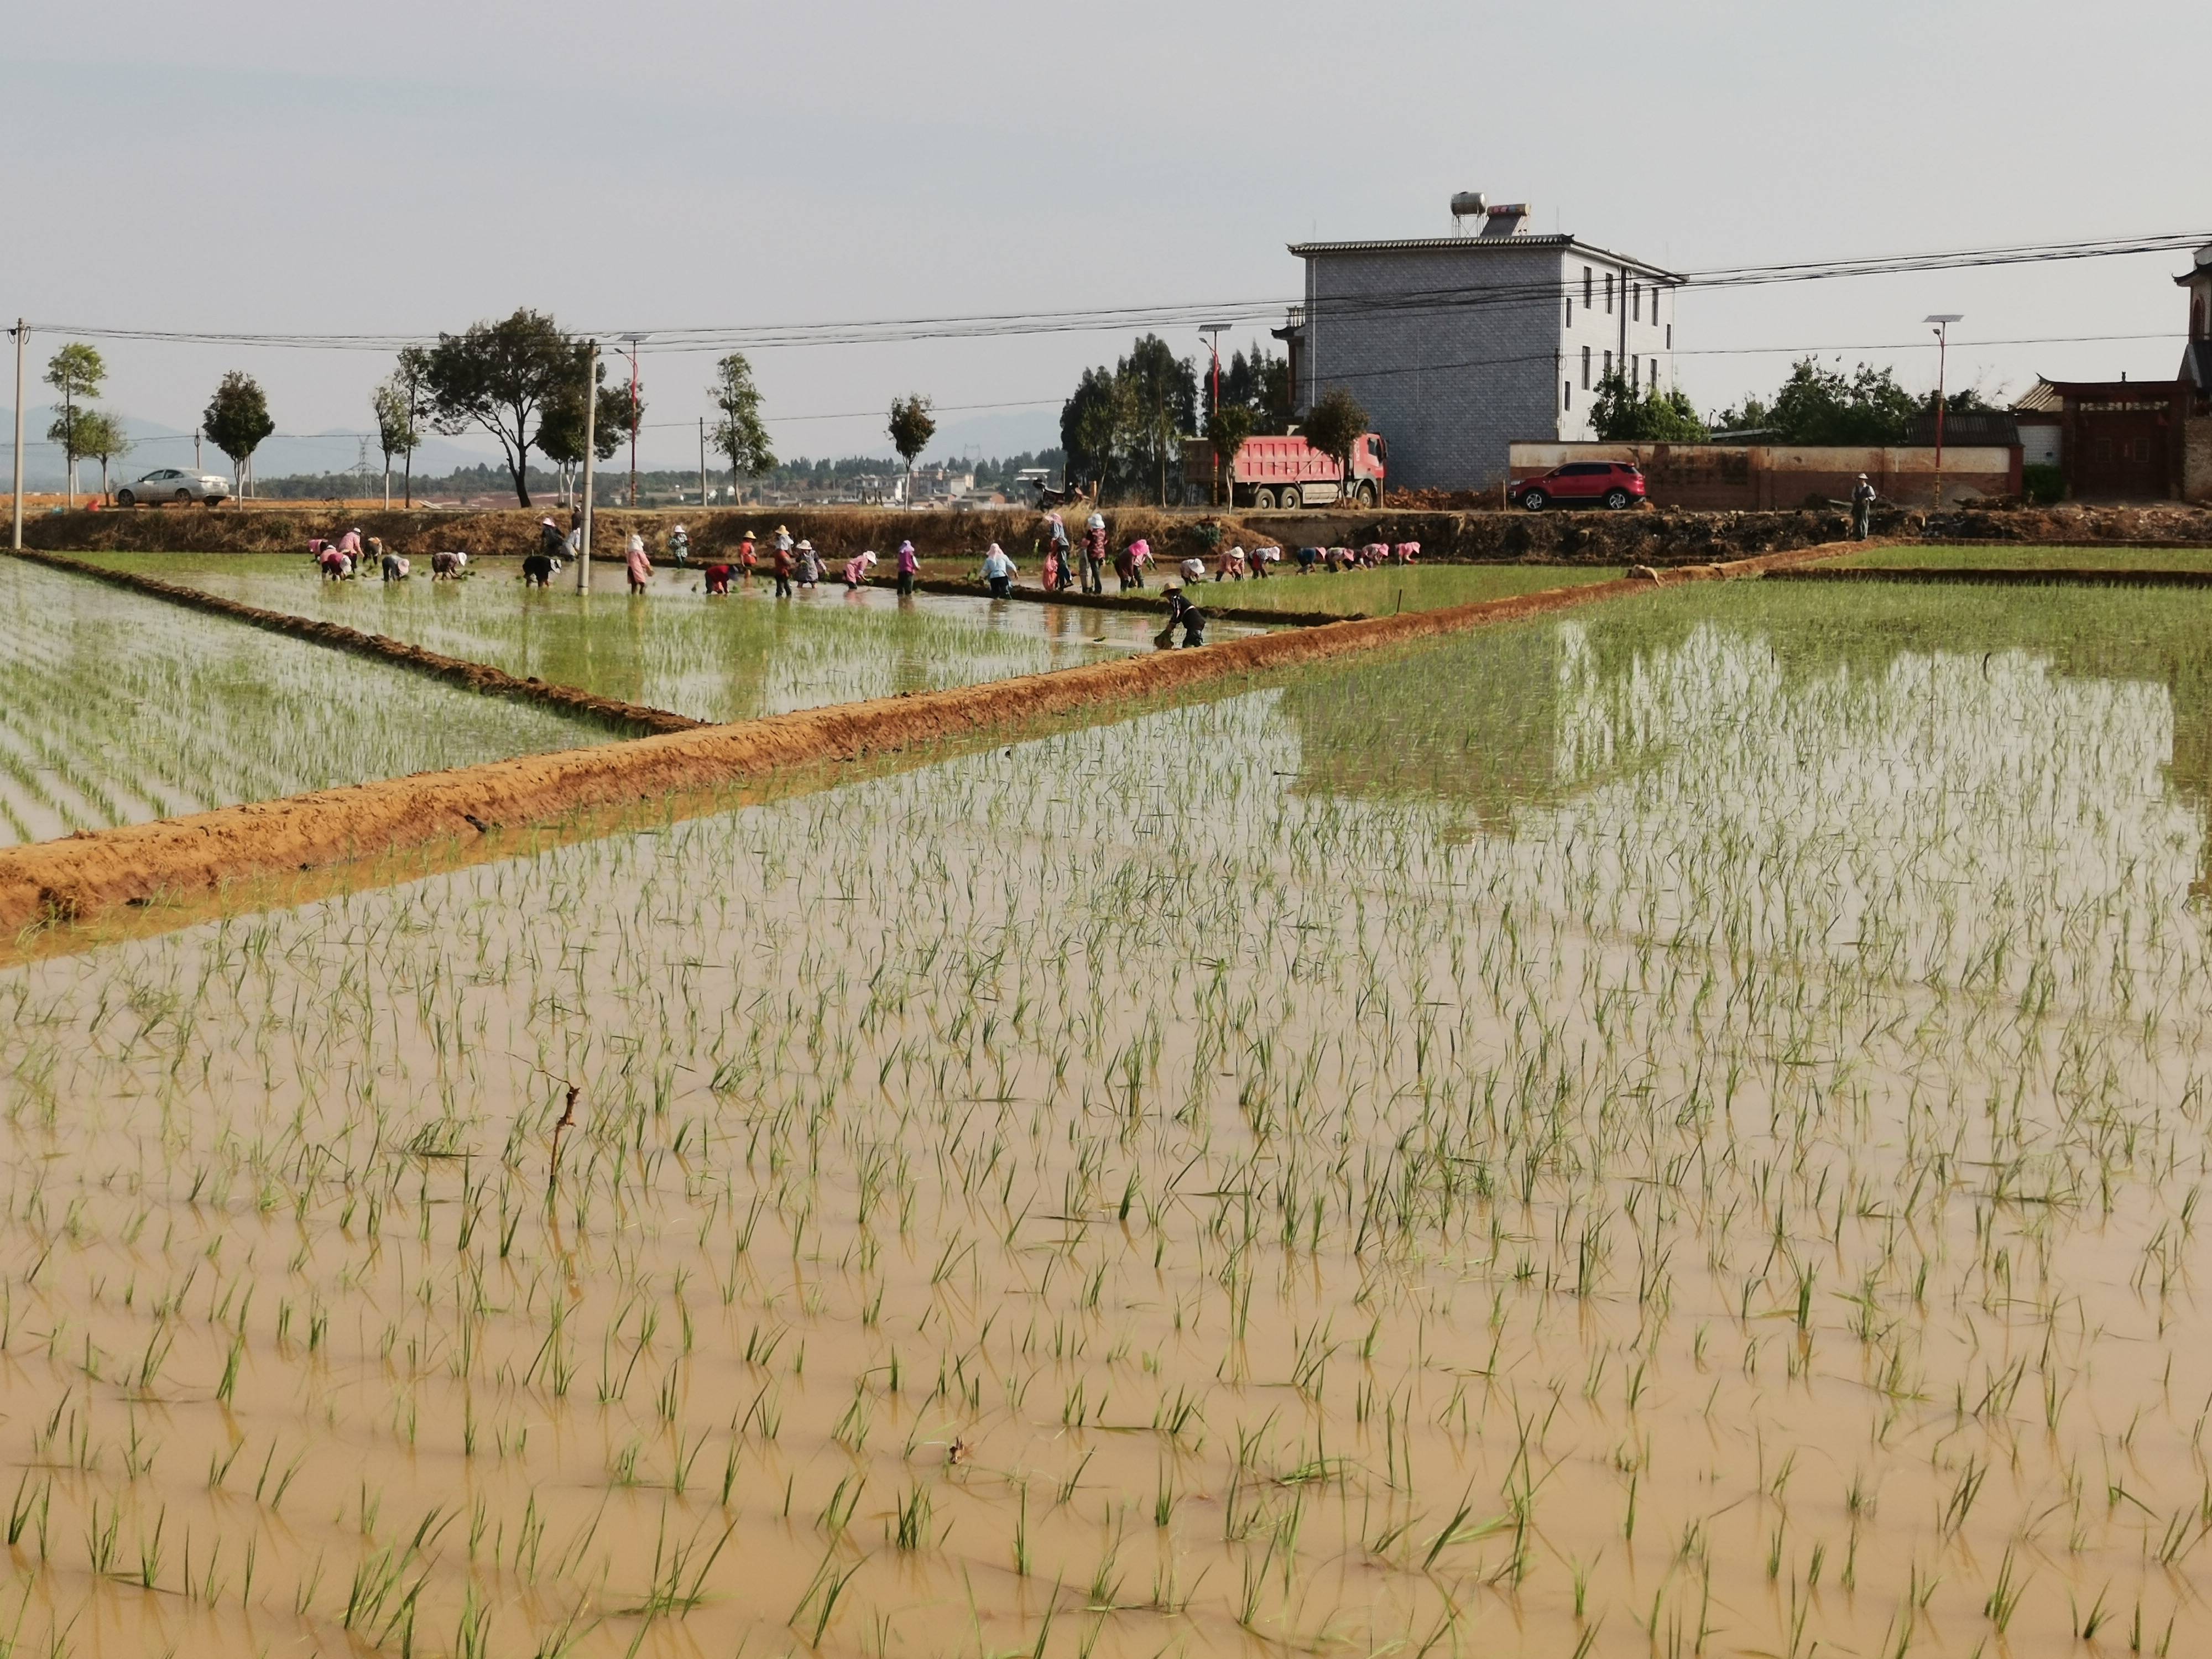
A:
(1459, 346)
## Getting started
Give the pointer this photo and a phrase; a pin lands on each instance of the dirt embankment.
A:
(1658, 537)
(629, 718)
(81, 875)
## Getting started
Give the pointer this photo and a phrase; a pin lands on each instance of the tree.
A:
(101, 435)
(1261, 382)
(500, 376)
(413, 377)
(237, 420)
(1229, 426)
(912, 427)
(1161, 400)
(1821, 405)
(1619, 415)
(396, 431)
(739, 434)
(76, 371)
(1092, 422)
(1335, 424)
(560, 437)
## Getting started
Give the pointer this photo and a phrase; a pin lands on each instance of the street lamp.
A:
(1943, 319)
(1213, 332)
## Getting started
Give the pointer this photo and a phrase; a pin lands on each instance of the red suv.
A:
(1614, 483)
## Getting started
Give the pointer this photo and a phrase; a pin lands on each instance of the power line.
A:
(691, 338)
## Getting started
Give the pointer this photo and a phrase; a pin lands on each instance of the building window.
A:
(1636, 302)
(1587, 280)
(1608, 294)
(1636, 373)
(1570, 311)
(1566, 394)
(1608, 365)
(1670, 336)
(1586, 361)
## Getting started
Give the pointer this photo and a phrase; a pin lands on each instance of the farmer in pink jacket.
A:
(639, 564)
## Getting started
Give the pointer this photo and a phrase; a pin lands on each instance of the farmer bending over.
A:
(1182, 612)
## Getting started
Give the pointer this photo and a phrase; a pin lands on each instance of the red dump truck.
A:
(1288, 471)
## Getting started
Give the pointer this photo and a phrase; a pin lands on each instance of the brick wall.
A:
(2196, 459)
(1763, 477)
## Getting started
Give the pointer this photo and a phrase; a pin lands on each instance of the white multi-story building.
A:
(1457, 346)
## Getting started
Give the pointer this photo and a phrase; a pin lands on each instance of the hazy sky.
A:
(412, 167)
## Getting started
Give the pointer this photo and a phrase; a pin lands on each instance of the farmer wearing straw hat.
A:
(1862, 509)
(747, 558)
(909, 564)
(782, 562)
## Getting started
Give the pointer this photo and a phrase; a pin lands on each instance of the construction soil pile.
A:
(1657, 537)
(75, 877)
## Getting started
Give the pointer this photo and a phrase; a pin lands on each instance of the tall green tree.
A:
(412, 378)
(561, 428)
(500, 376)
(76, 372)
(1619, 416)
(236, 420)
(1819, 404)
(737, 431)
(1335, 424)
(912, 427)
(1228, 427)
(1162, 394)
(396, 431)
(1261, 381)
(101, 435)
(1092, 422)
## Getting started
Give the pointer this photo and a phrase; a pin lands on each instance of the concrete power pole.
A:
(22, 334)
(590, 441)
(703, 462)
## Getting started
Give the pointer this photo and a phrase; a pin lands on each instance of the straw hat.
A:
(806, 547)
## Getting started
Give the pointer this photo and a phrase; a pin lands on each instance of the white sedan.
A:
(171, 483)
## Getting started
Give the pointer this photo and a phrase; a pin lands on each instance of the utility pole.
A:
(703, 462)
(1943, 321)
(1212, 332)
(591, 442)
(633, 339)
(21, 335)
(196, 466)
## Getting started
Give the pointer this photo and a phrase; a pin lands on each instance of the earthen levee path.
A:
(75, 878)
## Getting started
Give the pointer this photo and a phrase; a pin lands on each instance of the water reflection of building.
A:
(2096, 742)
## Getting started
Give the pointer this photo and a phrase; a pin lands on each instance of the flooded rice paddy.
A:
(1676, 1130)
(117, 709)
(725, 660)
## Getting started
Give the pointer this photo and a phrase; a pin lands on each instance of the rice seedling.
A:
(1616, 1134)
(105, 700)
(730, 659)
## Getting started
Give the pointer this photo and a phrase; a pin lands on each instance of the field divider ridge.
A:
(74, 878)
(630, 717)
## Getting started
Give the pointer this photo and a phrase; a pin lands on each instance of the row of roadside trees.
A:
(530, 386)
(235, 420)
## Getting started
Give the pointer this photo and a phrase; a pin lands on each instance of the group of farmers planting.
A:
(795, 564)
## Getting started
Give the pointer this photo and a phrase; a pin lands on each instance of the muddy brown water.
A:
(1746, 1200)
